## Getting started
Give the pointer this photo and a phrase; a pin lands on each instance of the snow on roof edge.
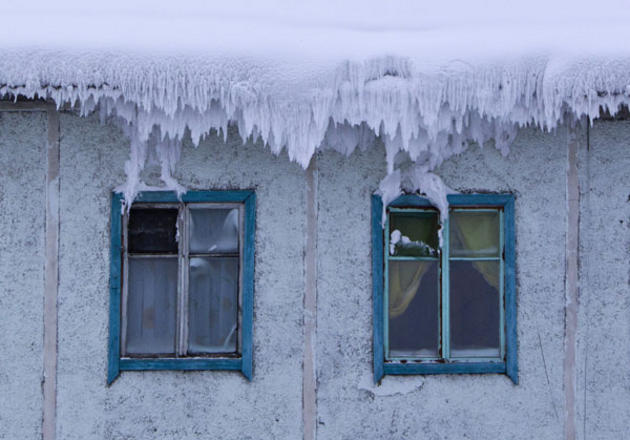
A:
(430, 114)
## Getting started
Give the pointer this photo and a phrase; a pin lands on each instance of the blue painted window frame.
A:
(244, 363)
(509, 365)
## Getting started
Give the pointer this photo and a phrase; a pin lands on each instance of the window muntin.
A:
(182, 272)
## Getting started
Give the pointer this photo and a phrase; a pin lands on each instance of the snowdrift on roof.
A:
(321, 74)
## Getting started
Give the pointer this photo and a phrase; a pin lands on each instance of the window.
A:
(181, 283)
(450, 308)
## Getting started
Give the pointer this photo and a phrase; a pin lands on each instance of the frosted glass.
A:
(213, 305)
(474, 308)
(214, 230)
(151, 305)
(413, 309)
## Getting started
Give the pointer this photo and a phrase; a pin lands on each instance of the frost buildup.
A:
(422, 114)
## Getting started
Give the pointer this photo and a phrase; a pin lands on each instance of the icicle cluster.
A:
(428, 115)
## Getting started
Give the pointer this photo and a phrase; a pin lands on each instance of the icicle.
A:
(427, 113)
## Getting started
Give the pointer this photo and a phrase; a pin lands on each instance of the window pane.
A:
(214, 230)
(474, 308)
(213, 305)
(152, 230)
(474, 234)
(413, 234)
(413, 308)
(151, 305)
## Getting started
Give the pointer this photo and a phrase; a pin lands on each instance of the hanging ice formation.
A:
(421, 117)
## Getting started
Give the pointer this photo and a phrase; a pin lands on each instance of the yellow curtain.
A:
(404, 284)
(475, 232)
(471, 231)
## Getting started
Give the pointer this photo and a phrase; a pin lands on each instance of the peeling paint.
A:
(390, 385)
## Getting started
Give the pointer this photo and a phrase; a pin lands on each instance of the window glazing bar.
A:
(214, 254)
(408, 258)
(475, 209)
(428, 210)
(475, 258)
(125, 284)
(446, 350)
(182, 294)
(413, 358)
(386, 289)
(153, 255)
(501, 286)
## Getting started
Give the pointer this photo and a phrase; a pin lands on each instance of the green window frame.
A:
(442, 360)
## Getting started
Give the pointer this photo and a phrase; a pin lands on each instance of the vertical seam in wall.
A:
(309, 378)
(584, 260)
(51, 277)
(571, 281)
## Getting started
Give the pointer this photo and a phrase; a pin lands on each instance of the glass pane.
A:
(474, 308)
(413, 309)
(474, 233)
(413, 234)
(213, 305)
(214, 230)
(151, 305)
(152, 230)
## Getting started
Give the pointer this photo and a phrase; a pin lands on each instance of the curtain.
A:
(404, 282)
(478, 232)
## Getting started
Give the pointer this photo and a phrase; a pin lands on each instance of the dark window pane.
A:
(214, 230)
(474, 234)
(213, 305)
(413, 233)
(474, 308)
(151, 305)
(413, 308)
(152, 230)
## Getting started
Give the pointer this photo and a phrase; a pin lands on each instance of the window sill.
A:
(182, 364)
(398, 368)
(189, 364)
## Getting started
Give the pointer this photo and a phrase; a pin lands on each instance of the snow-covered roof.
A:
(426, 78)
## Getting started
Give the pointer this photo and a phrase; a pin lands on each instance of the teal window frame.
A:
(507, 363)
(244, 363)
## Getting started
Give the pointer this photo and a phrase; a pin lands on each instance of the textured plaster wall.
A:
(178, 405)
(604, 323)
(22, 209)
(452, 406)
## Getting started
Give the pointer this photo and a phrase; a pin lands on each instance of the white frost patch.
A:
(416, 179)
(390, 385)
(396, 238)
